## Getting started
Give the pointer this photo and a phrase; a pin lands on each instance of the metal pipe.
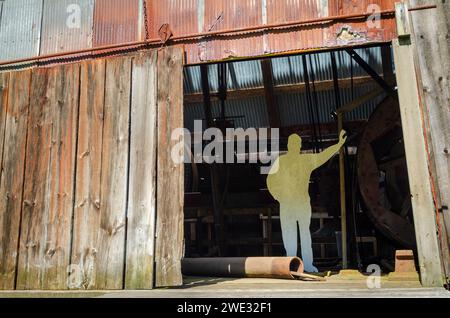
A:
(214, 173)
(154, 42)
(341, 163)
(343, 197)
(251, 267)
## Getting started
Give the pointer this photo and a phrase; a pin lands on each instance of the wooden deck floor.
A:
(203, 287)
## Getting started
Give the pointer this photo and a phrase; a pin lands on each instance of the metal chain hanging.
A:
(147, 33)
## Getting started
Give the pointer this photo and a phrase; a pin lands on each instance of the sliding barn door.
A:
(89, 195)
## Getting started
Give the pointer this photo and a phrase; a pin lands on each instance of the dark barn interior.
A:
(228, 210)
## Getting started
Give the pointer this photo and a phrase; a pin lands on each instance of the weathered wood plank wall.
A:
(142, 200)
(80, 146)
(170, 195)
(88, 178)
(7, 269)
(44, 251)
(11, 180)
(111, 240)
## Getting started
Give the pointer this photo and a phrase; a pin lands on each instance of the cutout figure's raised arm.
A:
(323, 157)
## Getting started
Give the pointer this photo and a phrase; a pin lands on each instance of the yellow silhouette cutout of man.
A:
(288, 182)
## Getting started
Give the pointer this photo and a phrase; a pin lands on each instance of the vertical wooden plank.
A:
(431, 29)
(111, 234)
(142, 179)
(63, 156)
(88, 178)
(11, 181)
(48, 227)
(170, 177)
(4, 88)
(418, 170)
(35, 184)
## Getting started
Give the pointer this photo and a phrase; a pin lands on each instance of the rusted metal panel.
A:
(230, 14)
(66, 25)
(120, 22)
(327, 34)
(187, 17)
(363, 30)
(116, 21)
(300, 38)
(20, 29)
(183, 16)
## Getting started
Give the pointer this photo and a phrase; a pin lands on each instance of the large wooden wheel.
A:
(382, 174)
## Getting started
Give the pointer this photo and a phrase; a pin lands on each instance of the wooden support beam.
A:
(424, 211)
(386, 57)
(269, 91)
(431, 31)
(360, 101)
(321, 86)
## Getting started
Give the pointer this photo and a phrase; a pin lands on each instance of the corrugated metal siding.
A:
(342, 7)
(116, 21)
(229, 14)
(245, 113)
(294, 107)
(181, 15)
(121, 21)
(57, 36)
(192, 16)
(305, 37)
(287, 70)
(1, 9)
(20, 29)
(241, 75)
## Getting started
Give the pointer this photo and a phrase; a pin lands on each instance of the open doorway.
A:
(228, 209)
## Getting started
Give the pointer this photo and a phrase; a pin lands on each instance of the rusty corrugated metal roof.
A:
(182, 16)
(66, 25)
(120, 21)
(306, 37)
(229, 14)
(362, 30)
(116, 21)
(293, 107)
(193, 16)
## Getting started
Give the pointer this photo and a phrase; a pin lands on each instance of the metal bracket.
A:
(165, 33)
(380, 81)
